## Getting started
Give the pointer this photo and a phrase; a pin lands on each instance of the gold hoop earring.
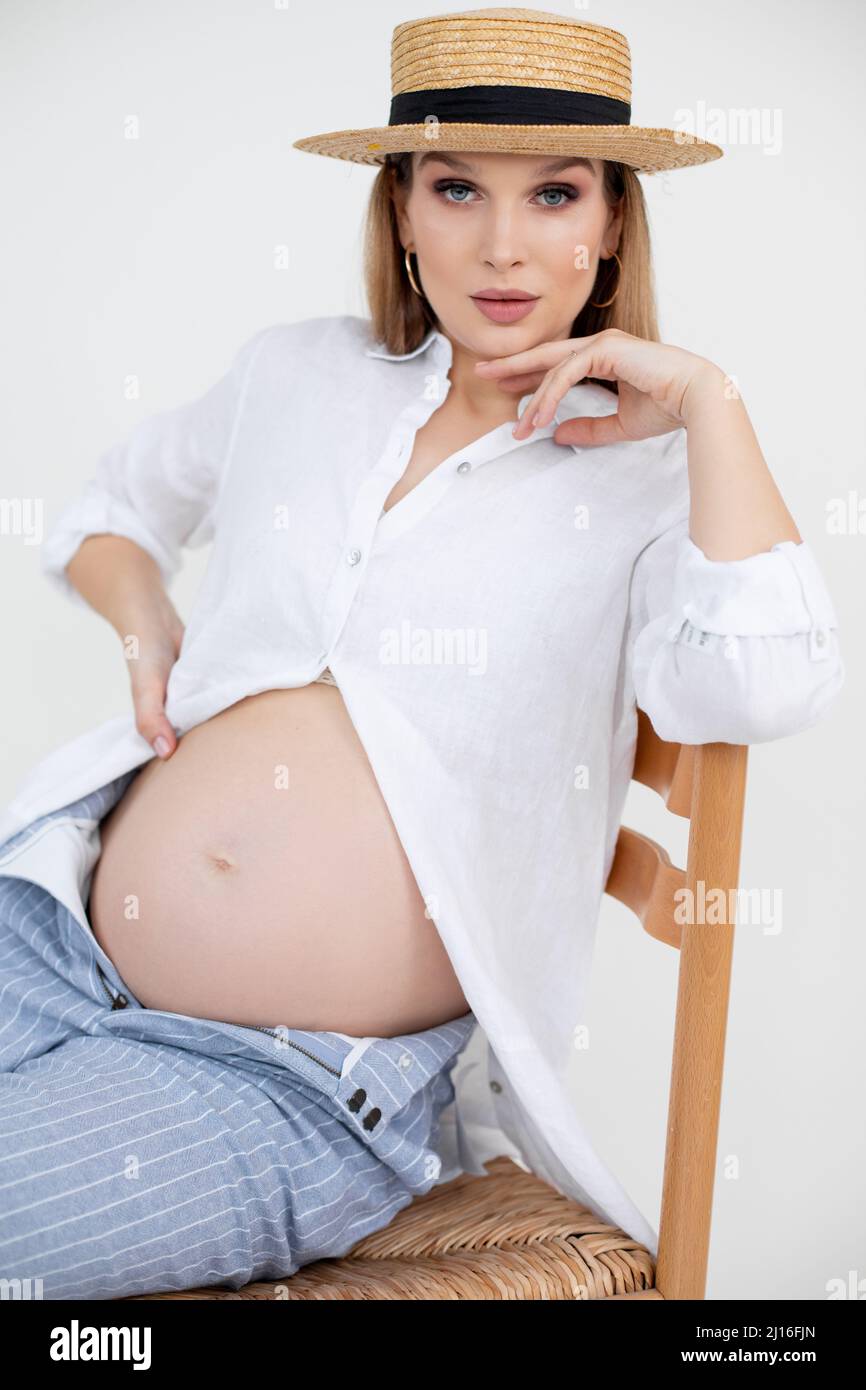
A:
(411, 276)
(607, 302)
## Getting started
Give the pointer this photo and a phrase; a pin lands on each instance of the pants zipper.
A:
(118, 1001)
(253, 1027)
(335, 1071)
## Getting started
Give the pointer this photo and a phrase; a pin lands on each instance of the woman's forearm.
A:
(117, 578)
(736, 508)
(122, 581)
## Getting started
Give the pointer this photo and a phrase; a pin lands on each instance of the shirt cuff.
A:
(778, 592)
(91, 516)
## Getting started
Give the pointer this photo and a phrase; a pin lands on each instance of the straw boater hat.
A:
(514, 80)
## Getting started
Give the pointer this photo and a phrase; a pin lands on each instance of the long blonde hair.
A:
(401, 320)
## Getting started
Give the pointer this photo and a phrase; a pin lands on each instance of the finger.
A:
(588, 431)
(540, 358)
(591, 361)
(164, 743)
(150, 718)
(519, 385)
(540, 410)
(528, 417)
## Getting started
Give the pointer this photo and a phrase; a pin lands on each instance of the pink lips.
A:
(505, 310)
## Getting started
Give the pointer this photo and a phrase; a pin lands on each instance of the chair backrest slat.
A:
(643, 877)
(666, 768)
(707, 784)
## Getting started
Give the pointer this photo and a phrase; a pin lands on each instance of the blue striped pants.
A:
(143, 1151)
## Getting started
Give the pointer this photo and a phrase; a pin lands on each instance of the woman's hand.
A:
(152, 641)
(653, 378)
(735, 507)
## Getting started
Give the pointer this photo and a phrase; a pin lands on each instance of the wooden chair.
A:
(510, 1235)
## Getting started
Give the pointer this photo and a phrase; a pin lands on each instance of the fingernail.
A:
(162, 745)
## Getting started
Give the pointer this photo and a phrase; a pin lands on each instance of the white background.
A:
(156, 257)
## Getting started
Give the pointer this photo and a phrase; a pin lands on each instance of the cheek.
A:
(441, 247)
(433, 218)
(574, 247)
(577, 235)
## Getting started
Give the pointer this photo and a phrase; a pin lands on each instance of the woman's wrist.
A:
(143, 609)
(707, 389)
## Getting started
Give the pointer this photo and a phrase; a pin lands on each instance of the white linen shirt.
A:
(491, 635)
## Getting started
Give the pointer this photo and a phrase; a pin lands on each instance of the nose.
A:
(502, 237)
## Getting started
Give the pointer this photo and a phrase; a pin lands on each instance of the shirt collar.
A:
(443, 344)
(593, 400)
(442, 349)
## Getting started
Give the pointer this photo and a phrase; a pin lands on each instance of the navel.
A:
(222, 862)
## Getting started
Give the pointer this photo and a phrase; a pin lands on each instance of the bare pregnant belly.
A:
(256, 877)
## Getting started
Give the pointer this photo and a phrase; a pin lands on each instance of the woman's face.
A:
(506, 222)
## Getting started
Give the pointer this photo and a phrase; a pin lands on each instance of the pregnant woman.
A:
(366, 800)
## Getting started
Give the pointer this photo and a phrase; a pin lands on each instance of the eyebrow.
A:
(556, 166)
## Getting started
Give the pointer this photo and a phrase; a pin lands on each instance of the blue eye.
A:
(448, 187)
(568, 195)
(567, 192)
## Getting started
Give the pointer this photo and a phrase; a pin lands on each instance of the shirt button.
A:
(353, 557)
(495, 1086)
(464, 467)
(405, 1061)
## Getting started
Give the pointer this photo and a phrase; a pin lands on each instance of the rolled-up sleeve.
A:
(159, 486)
(731, 651)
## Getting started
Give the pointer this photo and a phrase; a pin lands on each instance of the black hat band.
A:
(508, 105)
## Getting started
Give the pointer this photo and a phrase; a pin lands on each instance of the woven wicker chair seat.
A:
(505, 1236)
